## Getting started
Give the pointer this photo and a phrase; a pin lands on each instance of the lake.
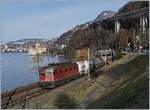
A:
(17, 69)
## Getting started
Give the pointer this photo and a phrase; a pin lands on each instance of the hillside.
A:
(130, 87)
(133, 5)
(27, 42)
(105, 15)
(64, 37)
(101, 37)
(118, 85)
(67, 36)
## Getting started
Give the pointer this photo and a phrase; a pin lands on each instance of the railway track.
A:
(20, 95)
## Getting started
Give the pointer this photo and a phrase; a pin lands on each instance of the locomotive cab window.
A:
(49, 71)
(42, 72)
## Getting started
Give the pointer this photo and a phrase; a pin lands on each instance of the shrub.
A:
(119, 54)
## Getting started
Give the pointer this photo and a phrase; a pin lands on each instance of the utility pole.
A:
(89, 64)
(117, 28)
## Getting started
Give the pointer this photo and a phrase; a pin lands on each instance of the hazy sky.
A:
(48, 18)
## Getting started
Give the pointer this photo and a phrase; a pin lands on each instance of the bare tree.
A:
(37, 60)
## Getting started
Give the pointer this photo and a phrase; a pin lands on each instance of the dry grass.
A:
(130, 84)
(72, 94)
(75, 91)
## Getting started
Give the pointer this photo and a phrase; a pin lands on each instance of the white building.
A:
(6, 46)
(63, 46)
(39, 49)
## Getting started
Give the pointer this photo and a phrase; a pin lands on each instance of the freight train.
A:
(57, 74)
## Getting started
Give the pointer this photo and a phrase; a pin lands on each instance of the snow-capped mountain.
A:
(65, 37)
(105, 15)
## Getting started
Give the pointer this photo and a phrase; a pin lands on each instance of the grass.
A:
(124, 97)
(134, 67)
(119, 54)
(67, 96)
(72, 94)
(132, 91)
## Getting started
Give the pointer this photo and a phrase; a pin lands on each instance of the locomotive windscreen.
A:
(49, 71)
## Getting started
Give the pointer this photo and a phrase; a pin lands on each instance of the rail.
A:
(20, 95)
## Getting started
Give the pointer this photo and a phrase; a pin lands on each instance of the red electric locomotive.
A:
(56, 74)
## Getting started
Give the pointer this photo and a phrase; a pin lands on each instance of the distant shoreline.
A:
(13, 52)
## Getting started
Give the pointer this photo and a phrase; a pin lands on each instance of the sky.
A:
(47, 19)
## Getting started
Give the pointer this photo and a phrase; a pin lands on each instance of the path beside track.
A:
(110, 74)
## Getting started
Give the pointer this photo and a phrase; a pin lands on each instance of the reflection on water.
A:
(17, 69)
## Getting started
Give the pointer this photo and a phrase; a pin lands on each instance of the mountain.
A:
(23, 41)
(105, 15)
(65, 37)
(133, 5)
(83, 36)
(28, 42)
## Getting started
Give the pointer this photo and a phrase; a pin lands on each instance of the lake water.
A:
(17, 69)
